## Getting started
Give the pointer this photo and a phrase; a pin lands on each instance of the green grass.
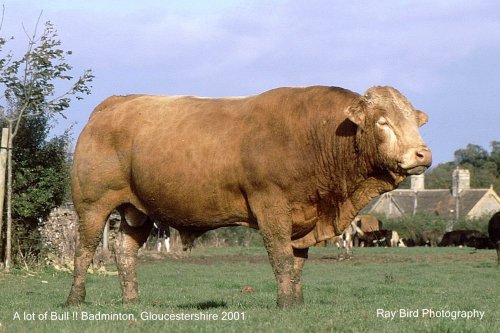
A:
(341, 296)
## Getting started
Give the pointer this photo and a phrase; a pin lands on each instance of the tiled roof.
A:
(435, 202)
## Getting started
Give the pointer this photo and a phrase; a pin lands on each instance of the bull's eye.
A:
(382, 122)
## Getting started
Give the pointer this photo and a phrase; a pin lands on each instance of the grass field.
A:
(341, 296)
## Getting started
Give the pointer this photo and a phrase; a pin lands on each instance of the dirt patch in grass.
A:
(462, 255)
(389, 258)
(200, 259)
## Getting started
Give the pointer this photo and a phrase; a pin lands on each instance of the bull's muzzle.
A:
(421, 160)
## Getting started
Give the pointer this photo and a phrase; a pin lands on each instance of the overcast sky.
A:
(443, 55)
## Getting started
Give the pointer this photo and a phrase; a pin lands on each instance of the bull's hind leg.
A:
(135, 228)
(300, 256)
(89, 235)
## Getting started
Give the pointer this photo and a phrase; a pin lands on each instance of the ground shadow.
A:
(204, 305)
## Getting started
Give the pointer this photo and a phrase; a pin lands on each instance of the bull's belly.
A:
(198, 212)
(202, 223)
(213, 219)
(207, 212)
(188, 201)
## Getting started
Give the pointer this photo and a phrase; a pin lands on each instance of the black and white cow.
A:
(375, 238)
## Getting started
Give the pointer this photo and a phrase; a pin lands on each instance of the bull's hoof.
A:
(74, 300)
(299, 300)
(130, 300)
(76, 295)
(288, 302)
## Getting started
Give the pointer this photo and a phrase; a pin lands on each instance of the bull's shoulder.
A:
(112, 101)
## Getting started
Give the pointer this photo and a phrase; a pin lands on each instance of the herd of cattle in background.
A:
(367, 231)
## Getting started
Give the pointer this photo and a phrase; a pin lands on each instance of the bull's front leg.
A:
(282, 261)
(275, 224)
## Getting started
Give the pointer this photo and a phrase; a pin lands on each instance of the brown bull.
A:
(296, 163)
(368, 223)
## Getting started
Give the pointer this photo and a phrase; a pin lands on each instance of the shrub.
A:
(414, 226)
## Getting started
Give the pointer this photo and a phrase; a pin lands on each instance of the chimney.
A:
(460, 181)
(417, 182)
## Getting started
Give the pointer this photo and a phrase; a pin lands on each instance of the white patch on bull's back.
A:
(228, 97)
(175, 97)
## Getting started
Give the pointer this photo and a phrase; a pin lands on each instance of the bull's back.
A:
(178, 157)
(142, 113)
(126, 124)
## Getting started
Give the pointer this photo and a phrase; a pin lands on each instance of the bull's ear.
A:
(356, 113)
(422, 118)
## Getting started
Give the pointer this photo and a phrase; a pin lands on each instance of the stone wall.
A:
(58, 233)
(58, 239)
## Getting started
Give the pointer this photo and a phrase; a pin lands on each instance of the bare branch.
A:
(3, 16)
(18, 118)
(33, 37)
(30, 78)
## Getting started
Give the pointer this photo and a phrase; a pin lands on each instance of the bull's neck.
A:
(347, 169)
(355, 182)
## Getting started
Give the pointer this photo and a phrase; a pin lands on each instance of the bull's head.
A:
(391, 123)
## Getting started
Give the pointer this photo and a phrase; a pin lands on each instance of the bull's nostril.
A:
(423, 156)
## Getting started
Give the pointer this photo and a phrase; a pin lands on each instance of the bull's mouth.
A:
(416, 170)
(420, 160)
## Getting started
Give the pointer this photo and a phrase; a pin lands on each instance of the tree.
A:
(495, 156)
(40, 181)
(32, 92)
(483, 166)
(439, 177)
(473, 155)
(41, 169)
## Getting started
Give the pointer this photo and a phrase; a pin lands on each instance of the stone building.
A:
(458, 202)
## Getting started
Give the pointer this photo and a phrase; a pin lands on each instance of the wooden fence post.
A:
(3, 164)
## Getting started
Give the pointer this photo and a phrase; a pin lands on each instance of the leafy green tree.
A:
(41, 176)
(473, 155)
(41, 170)
(32, 96)
(495, 156)
(483, 166)
(440, 176)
